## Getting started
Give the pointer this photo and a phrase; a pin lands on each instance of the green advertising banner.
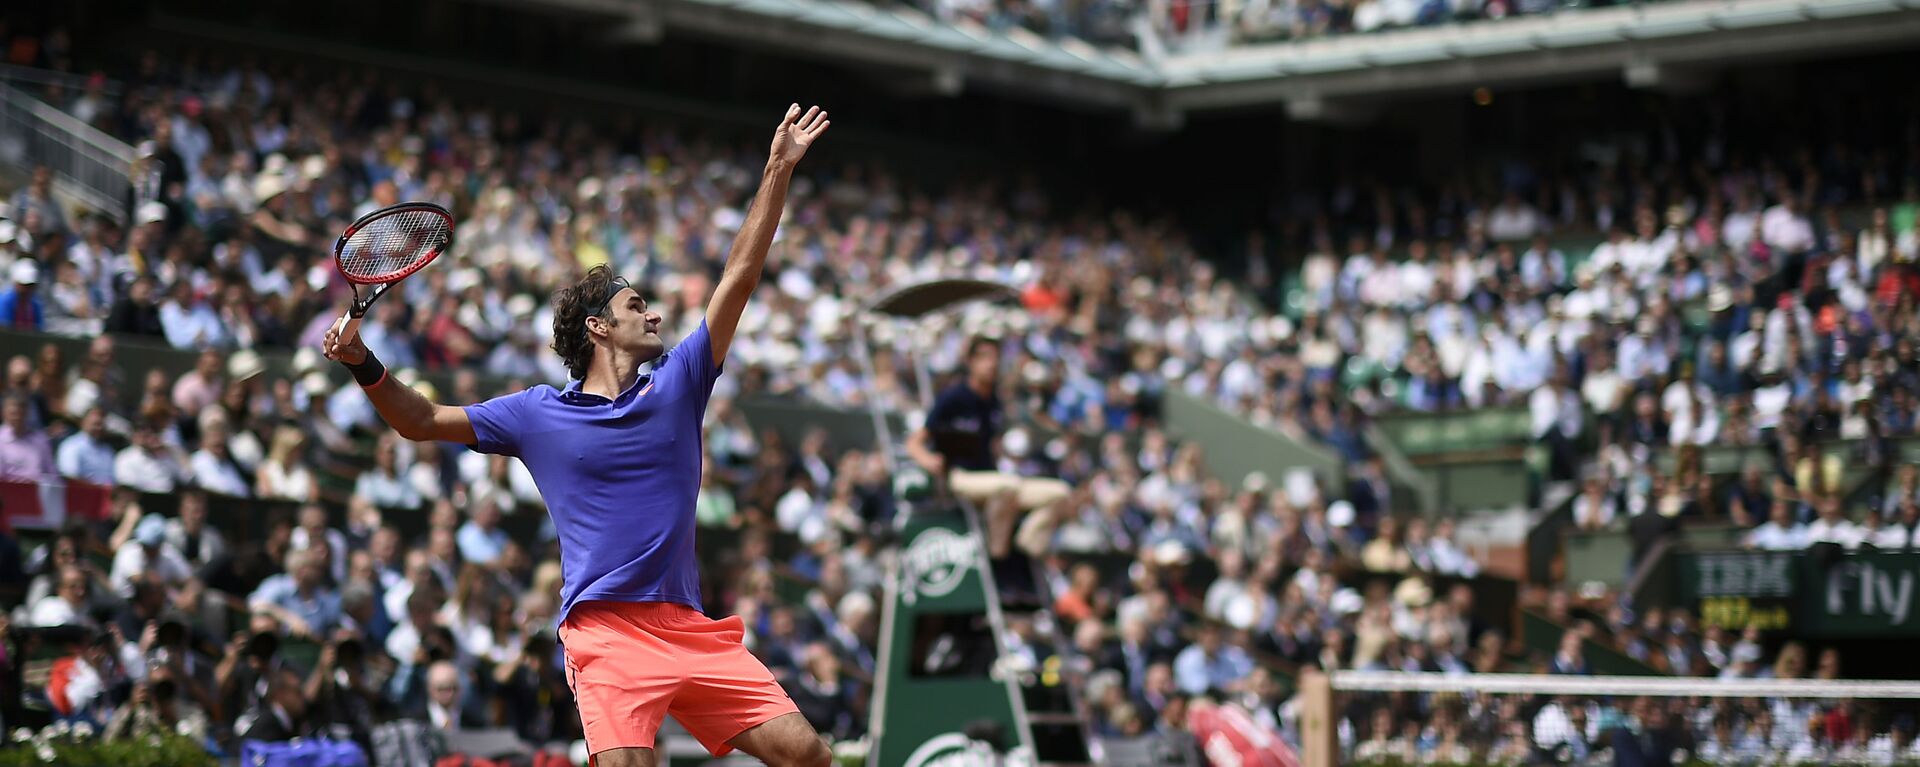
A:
(1821, 595)
(1737, 589)
(940, 646)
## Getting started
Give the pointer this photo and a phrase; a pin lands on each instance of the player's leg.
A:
(786, 741)
(623, 679)
(624, 757)
(732, 701)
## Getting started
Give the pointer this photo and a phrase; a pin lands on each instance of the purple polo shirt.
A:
(619, 476)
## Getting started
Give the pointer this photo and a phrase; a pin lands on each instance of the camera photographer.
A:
(256, 685)
(533, 696)
(421, 618)
(157, 707)
(413, 688)
(165, 647)
(340, 693)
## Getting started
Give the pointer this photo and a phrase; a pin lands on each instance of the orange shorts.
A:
(631, 664)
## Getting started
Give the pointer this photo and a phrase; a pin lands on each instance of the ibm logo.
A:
(1745, 575)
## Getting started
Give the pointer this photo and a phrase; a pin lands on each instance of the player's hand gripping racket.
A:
(385, 247)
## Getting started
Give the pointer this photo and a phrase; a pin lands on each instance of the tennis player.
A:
(617, 456)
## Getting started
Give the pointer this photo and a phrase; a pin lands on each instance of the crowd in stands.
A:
(1200, 25)
(1101, 22)
(1734, 306)
(1190, 26)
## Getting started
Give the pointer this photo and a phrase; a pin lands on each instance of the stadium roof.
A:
(1666, 44)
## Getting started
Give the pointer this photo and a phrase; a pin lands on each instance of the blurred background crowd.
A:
(1671, 302)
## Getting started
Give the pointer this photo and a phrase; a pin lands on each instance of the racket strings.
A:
(393, 243)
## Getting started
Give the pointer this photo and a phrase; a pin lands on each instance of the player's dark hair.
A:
(571, 308)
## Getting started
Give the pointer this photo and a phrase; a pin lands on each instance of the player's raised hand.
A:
(796, 133)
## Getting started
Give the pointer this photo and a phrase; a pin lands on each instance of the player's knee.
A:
(804, 752)
(821, 756)
(625, 757)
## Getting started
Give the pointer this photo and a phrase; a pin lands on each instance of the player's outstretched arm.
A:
(796, 134)
(412, 415)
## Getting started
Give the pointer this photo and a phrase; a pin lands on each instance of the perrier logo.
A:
(935, 563)
(950, 750)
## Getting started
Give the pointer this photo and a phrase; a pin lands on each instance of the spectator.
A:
(1557, 420)
(299, 599)
(1571, 658)
(1647, 739)
(157, 708)
(189, 319)
(283, 476)
(419, 619)
(202, 386)
(341, 695)
(823, 697)
(312, 532)
(86, 455)
(147, 465)
(714, 507)
(77, 683)
(1446, 554)
(1832, 525)
(68, 605)
(481, 539)
(1387, 553)
(36, 201)
(22, 306)
(1077, 603)
(1211, 664)
(383, 485)
(471, 617)
(148, 558)
(1743, 662)
(1568, 727)
(213, 467)
(1780, 532)
(199, 544)
(448, 707)
(137, 313)
(536, 695)
(1895, 535)
(25, 453)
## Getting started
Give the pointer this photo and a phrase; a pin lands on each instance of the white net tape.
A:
(1630, 686)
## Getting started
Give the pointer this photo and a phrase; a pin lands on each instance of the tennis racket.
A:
(385, 247)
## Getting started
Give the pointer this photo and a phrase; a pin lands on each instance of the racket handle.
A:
(349, 327)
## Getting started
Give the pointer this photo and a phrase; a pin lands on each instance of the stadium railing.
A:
(87, 163)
